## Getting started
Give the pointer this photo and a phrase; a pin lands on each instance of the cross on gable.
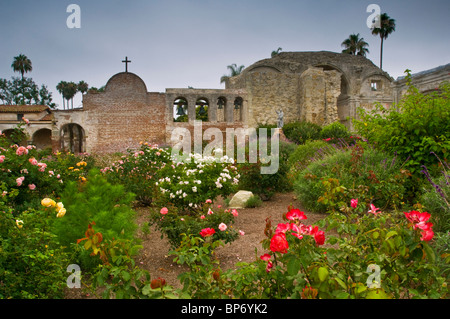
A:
(126, 61)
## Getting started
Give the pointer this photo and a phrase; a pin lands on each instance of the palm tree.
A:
(82, 87)
(387, 26)
(275, 53)
(234, 70)
(23, 65)
(60, 88)
(69, 91)
(355, 45)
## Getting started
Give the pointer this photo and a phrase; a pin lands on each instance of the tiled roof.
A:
(23, 108)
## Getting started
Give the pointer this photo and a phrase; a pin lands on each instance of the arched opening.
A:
(237, 109)
(342, 102)
(221, 105)
(180, 110)
(201, 110)
(72, 138)
(42, 139)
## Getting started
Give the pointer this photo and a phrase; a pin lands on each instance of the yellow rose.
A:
(59, 205)
(48, 202)
(19, 223)
(61, 213)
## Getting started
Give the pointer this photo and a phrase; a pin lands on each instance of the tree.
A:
(69, 91)
(387, 26)
(83, 87)
(23, 65)
(60, 88)
(355, 45)
(234, 70)
(275, 53)
(17, 91)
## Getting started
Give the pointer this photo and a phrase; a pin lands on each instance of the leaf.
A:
(323, 274)
(87, 244)
(429, 251)
(293, 266)
(390, 234)
(340, 282)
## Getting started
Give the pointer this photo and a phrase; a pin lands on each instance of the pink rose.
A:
(373, 210)
(2, 158)
(32, 187)
(354, 203)
(241, 232)
(21, 151)
(164, 210)
(234, 212)
(222, 227)
(33, 161)
(208, 201)
(19, 180)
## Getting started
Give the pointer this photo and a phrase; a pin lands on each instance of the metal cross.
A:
(126, 61)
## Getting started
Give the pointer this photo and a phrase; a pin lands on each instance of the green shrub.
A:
(32, 263)
(418, 125)
(436, 198)
(266, 185)
(334, 130)
(366, 174)
(95, 200)
(253, 201)
(306, 153)
(175, 225)
(300, 132)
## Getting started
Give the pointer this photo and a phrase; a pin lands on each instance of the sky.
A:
(181, 43)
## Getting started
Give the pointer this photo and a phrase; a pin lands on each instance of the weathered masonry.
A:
(320, 87)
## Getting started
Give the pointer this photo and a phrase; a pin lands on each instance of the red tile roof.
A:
(23, 108)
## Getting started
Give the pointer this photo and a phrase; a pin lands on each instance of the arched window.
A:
(237, 109)
(201, 109)
(72, 138)
(180, 110)
(221, 105)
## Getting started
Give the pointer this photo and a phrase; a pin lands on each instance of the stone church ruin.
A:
(319, 87)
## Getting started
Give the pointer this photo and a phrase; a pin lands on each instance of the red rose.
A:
(206, 232)
(279, 243)
(295, 214)
(319, 236)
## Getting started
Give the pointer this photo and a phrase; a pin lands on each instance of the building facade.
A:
(320, 87)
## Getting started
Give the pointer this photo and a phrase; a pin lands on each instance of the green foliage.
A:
(139, 170)
(300, 132)
(436, 198)
(26, 91)
(253, 201)
(174, 224)
(306, 153)
(32, 263)
(265, 185)
(334, 130)
(95, 200)
(367, 174)
(417, 126)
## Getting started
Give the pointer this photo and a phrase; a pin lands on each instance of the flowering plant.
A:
(210, 223)
(188, 184)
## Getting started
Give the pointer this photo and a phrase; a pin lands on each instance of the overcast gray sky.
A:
(181, 43)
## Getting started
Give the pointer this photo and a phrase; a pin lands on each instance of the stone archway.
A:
(72, 138)
(42, 138)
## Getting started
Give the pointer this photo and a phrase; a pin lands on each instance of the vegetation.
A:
(355, 45)
(386, 27)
